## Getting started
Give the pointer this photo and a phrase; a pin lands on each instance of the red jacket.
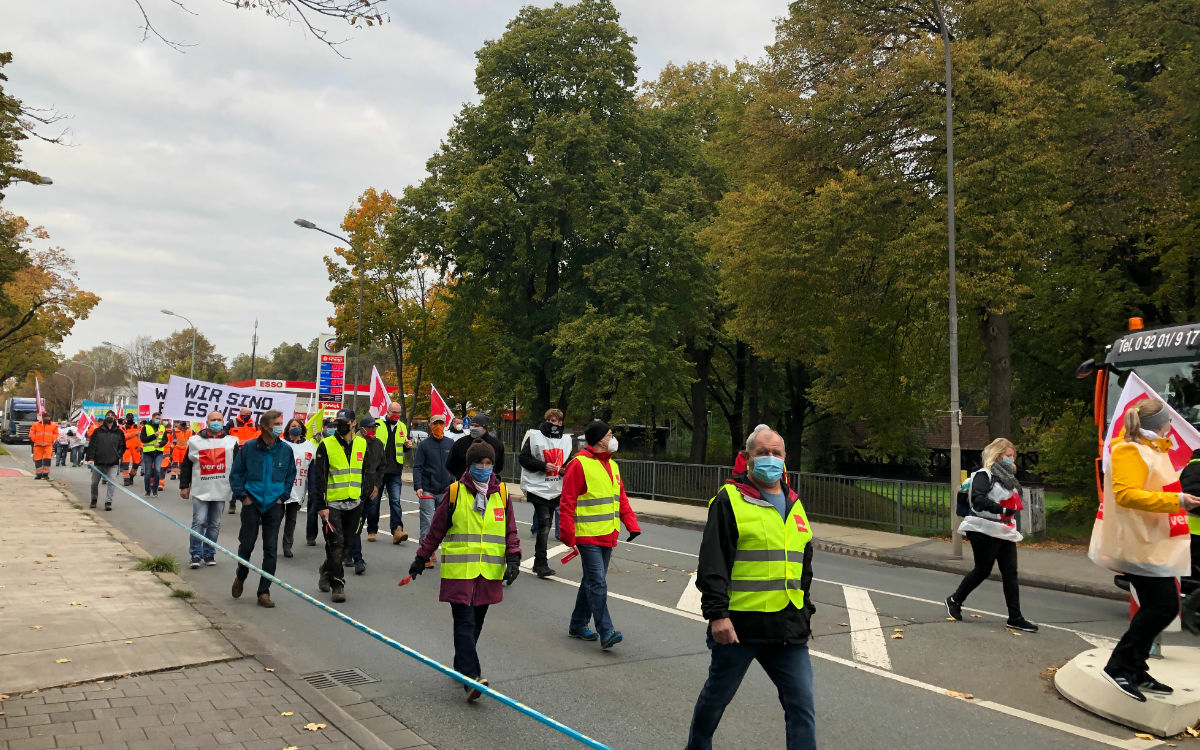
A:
(573, 486)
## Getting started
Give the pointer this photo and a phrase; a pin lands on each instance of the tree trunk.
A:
(702, 357)
(799, 406)
(417, 390)
(396, 341)
(994, 330)
(753, 415)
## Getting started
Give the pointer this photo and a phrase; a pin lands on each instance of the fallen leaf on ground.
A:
(33, 583)
(106, 596)
(897, 636)
(35, 627)
(76, 604)
(37, 562)
(268, 669)
(1193, 732)
(957, 694)
(287, 713)
(1013, 632)
(977, 617)
(49, 554)
(128, 642)
(844, 624)
(1143, 736)
(661, 580)
(897, 630)
(313, 726)
(951, 619)
(61, 661)
(2, 696)
(291, 747)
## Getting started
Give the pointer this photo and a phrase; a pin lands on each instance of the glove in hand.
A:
(513, 570)
(418, 566)
(633, 535)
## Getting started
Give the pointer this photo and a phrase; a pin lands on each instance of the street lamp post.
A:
(192, 372)
(955, 414)
(306, 224)
(72, 382)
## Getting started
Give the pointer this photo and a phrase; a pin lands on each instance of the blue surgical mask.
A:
(157, 421)
(481, 474)
(329, 431)
(296, 432)
(215, 426)
(277, 430)
(767, 469)
(1008, 462)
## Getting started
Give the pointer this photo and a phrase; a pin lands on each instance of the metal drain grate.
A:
(338, 677)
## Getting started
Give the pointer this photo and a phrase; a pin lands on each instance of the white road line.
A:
(1098, 641)
(527, 563)
(689, 601)
(866, 634)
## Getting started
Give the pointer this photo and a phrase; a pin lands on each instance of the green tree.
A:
(176, 357)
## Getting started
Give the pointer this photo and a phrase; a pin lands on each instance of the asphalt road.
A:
(872, 689)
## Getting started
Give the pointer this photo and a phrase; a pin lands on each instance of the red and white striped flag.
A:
(437, 405)
(37, 397)
(84, 424)
(379, 400)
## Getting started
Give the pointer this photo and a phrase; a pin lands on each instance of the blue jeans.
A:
(206, 519)
(252, 520)
(152, 468)
(787, 666)
(393, 484)
(428, 506)
(591, 603)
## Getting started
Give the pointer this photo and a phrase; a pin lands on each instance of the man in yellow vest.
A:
(480, 548)
(336, 494)
(754, 573)
(1189, 606)
(591, 508)
(393, 433)
(153, 438)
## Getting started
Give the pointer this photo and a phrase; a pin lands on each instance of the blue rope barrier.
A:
(501, 697)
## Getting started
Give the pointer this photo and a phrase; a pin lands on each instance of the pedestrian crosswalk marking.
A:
(553, 552)
(690, 600)
(866, 635)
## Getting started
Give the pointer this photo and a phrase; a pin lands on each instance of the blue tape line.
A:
(501, 697)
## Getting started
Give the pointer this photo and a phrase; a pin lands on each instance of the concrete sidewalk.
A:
(94, 653)
(1057, 569)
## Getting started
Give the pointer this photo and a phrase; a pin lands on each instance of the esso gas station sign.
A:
(270, 385)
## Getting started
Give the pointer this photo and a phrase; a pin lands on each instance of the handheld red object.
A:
(574, 553)
(406, 579)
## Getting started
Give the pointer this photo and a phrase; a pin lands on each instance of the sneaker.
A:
(339, 594)
(370, 537)
(610, 639)
(210, 563)
(232, 509)
(953, 608)
(1148, 684)
(237, 588)
(543, 572)
(147, 494)
(399, 536)
(1125, 685)
(93, 505)
(584, 635)
(1020, 623)
(360, 568)
(287, 551)
(264, 600)
(473, 693)
(195, 563)
(323, 582)
(311, 542)
(108, 506)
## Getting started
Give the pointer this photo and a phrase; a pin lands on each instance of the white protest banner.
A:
(150, 398)
(192, 400)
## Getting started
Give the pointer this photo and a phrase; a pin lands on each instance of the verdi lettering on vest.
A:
(212, 462)
(499, 513)
(800, 525)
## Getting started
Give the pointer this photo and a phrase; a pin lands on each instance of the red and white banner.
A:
(379, 401)
(437, 405)
(85, 422)
(1184, 440)
(37, 397)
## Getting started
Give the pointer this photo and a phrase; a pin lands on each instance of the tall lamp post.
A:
(72, 382)
(192, 372)
(955, 413)
(306, 224)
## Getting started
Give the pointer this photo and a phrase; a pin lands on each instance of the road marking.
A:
(866, 634)
(690, 600)
(1098, 641)
(527, 563)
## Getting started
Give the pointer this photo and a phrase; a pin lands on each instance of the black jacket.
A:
(429, 466)
(456, 464)
(1189, 478)
(387, 458)
(717, 549)
(106, 446)
(981, 485)
(373, 465)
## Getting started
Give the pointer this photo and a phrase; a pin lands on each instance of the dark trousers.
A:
(1158, 601)
(290, 511)
(544, 510)
(345, 524)
(988, 550)
(788, 666)
(468, 624)
(311, 521)
(252, 520)
(354, 555)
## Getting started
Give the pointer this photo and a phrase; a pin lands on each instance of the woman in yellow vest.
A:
(477, 531)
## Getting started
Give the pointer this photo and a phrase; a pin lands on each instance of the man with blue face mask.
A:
(153, 437)
(756, 607)
(264, 472)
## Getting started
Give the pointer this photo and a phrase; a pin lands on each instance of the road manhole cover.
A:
(338, 678)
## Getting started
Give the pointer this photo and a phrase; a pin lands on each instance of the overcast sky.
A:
(187, 169)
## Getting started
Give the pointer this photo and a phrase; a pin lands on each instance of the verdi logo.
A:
(499, 513)
(212, 462)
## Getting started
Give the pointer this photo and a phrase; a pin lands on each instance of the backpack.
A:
(963, 500)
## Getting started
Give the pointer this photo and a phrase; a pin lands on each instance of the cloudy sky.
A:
(186, 170)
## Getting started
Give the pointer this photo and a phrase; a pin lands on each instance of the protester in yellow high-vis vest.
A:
(1189, 607)
(754, 576)
(335, 493)
(590, 510)
(477, 531)
(153, 438)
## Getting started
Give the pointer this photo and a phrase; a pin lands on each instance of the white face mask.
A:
(612, 444)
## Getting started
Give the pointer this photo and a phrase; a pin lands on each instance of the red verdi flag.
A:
(437, 405)
(379, 395)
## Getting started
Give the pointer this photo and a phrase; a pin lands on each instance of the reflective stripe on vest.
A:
(1193, 521)
(769, 561)
(401, 435)
(474, 545)
(152, 446)
(345, 477)
(597, 509)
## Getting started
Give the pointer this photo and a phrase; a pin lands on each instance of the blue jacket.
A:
(429, 467)
(264, 474)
